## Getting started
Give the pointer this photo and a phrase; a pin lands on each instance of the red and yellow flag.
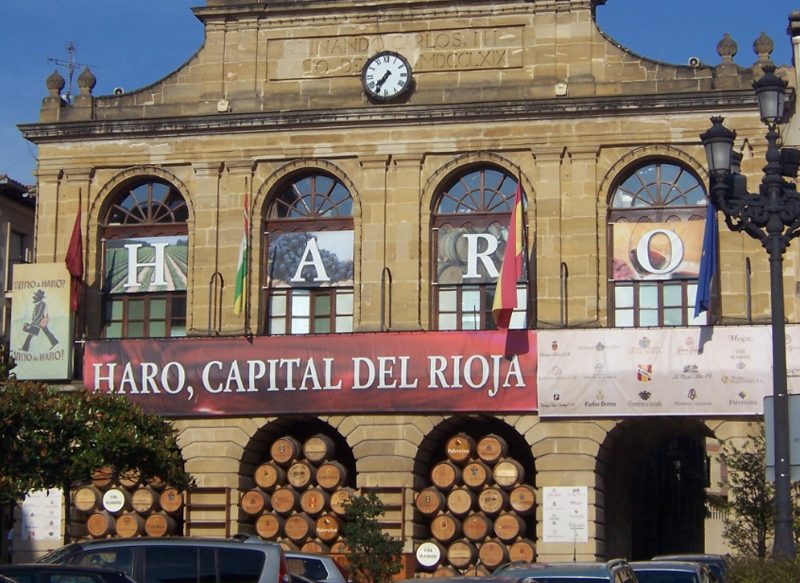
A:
(505, 294)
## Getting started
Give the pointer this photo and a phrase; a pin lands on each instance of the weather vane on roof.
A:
(71, 65)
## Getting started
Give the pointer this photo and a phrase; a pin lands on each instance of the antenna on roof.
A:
(71, 65)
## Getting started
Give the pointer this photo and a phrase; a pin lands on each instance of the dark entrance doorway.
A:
(655, 477)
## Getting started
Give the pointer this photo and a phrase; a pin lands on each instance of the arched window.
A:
(308, 281)
(656, 223)
(470, 227)
(145, 255)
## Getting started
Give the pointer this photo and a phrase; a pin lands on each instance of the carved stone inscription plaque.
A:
(427, 51)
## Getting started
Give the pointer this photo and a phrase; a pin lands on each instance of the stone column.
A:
(371, 245)
(547, 184)
(404, 242)
(581, 250)
(207, 239)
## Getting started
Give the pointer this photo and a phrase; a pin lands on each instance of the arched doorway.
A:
(656, 475)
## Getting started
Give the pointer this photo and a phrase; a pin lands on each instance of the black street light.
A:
(773, 217)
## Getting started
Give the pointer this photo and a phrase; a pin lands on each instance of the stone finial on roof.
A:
(727, 49)
(763, 47)
(86, 81)
(55, 83)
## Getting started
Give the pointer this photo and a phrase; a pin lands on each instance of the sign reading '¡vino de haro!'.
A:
(452, 49)
(41, 322)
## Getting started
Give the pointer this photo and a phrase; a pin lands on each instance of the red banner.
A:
(344, 373)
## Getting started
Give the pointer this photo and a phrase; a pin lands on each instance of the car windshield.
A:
(666, 577)
(570, 579)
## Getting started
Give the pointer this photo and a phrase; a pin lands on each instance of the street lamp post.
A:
(773, 217)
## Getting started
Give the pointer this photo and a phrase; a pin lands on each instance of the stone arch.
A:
(264, 193)
(101, 200)
(638, 156)
(430, 190)
(653, 475)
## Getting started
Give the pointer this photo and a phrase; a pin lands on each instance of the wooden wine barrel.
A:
(508, 526)
(103, 477)
(288, 544)
(314, 500)
(522, 499)
(508, 473)
(477, 527)
(285, 450)
(446, 571)
(430, 501)
(116, 500)
(319, 448)
(491, 448)
(493, 553)
(445, 475)
(129, 524)
(315, 546)
(445, 528)
(285, 500)
(476, 475)
(255, 501)
(171, 500)
(160, 524)
(522, 550)
(270, 526)
(301, 474)
(339, 498)
(100, 524)
(460, 501)
(269, 476)
(328, 527)
(460, 448)
(339, 547)
(299, 527)
(461, 553)
(130, 479)
(492, 500)
(331, 475)
(144, 499)
(87, 498)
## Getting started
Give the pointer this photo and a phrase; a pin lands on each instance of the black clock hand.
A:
(382, 80)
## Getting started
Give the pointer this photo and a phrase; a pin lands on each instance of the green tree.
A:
(749, 510)
(373, 555)
(52, 438)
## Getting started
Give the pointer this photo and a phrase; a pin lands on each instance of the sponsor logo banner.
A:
(351, 373)
(681, 371)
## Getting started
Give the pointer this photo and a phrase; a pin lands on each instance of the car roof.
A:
(665, 565)
(56, 567)
(576, 568)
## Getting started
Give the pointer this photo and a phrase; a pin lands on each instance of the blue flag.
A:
(708, 262)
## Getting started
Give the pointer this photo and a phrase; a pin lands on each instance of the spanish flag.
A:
(505, 294)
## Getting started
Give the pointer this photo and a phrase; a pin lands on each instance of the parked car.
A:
(40, 573)
(188, 560)
(672, 572)
(318, 567)
(717, 563)
(614, 571)
(471, 579)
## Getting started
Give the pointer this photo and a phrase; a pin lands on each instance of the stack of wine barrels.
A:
(480, 509)
(299, 495)
(120, 504)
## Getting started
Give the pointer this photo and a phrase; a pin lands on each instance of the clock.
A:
(386, 75)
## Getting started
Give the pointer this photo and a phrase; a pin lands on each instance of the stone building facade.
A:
(273, 114)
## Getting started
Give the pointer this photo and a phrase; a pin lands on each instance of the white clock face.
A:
(386, 75)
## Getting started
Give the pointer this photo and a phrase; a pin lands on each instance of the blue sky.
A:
(133, 43)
